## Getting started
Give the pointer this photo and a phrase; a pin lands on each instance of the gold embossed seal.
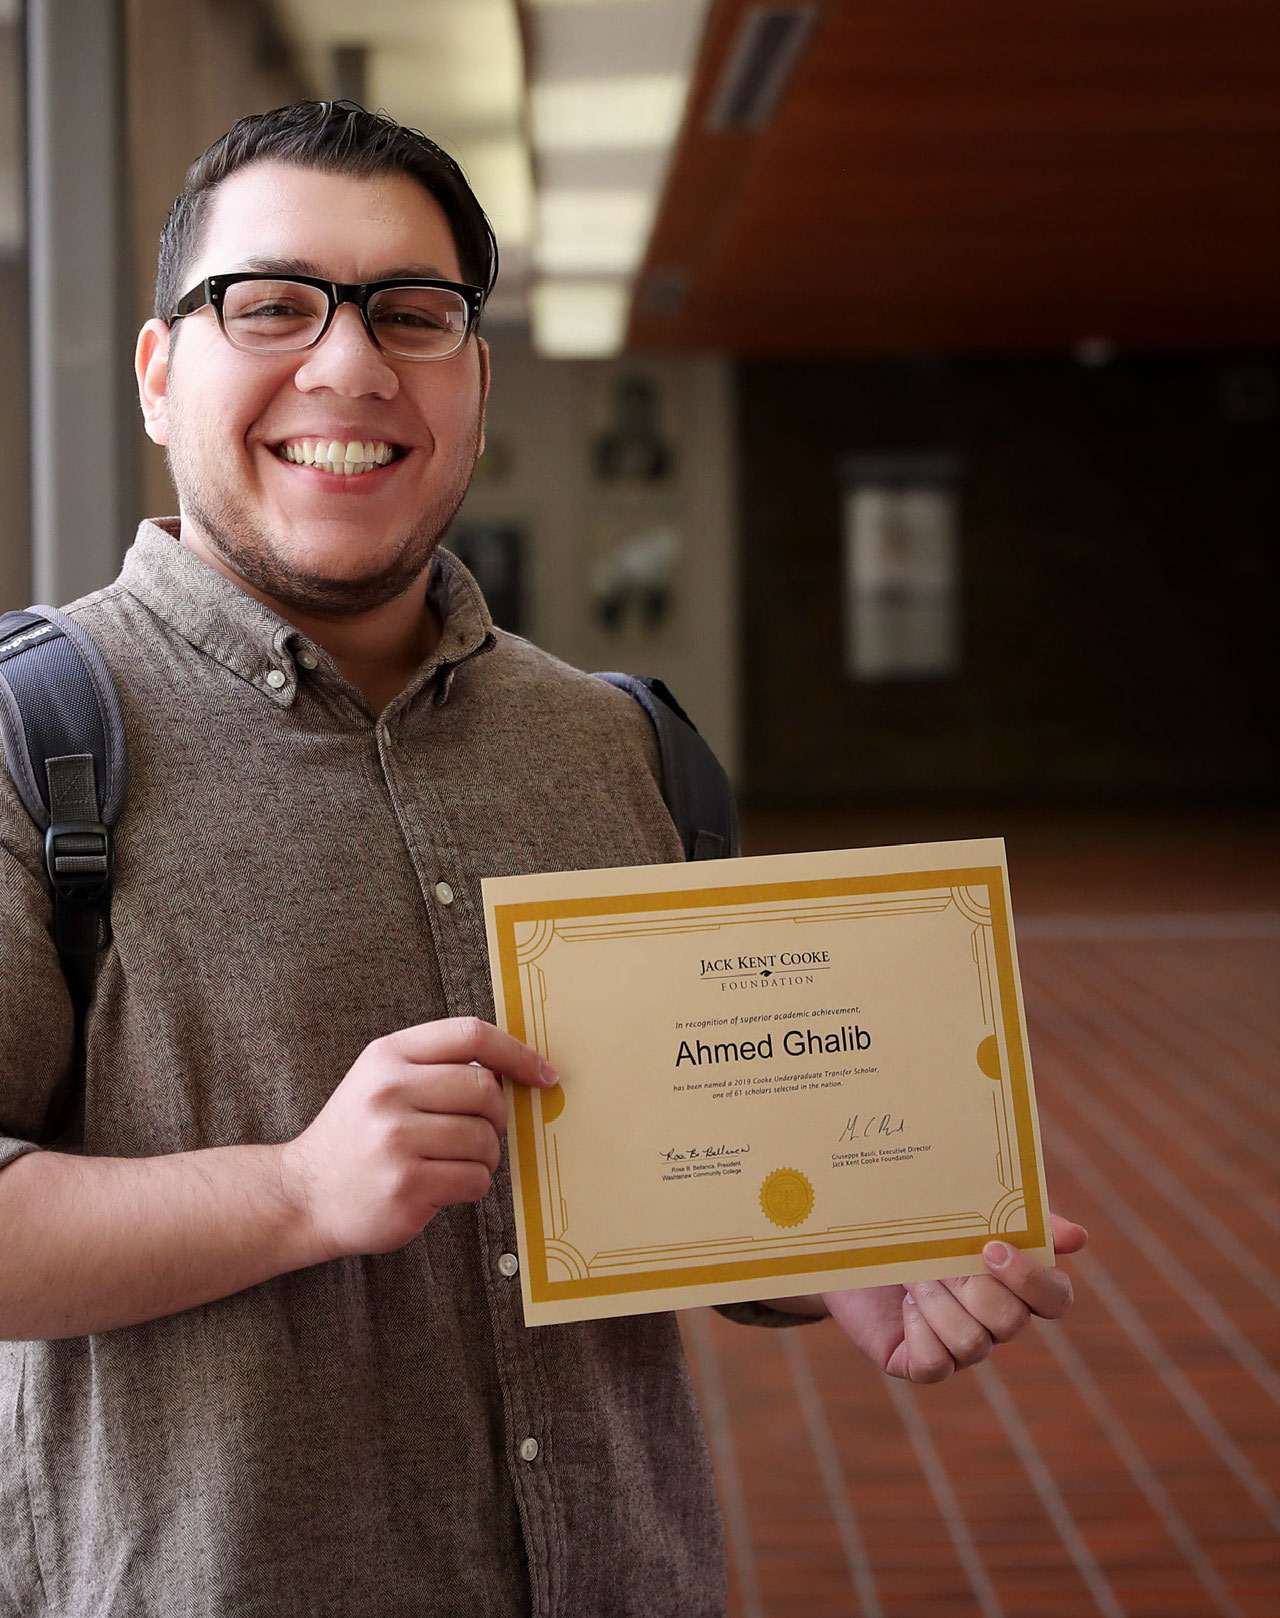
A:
(786, 1197)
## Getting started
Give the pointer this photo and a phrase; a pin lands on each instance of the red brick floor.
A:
(1126, 1461)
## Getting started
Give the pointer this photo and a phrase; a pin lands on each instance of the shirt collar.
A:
(238, 631)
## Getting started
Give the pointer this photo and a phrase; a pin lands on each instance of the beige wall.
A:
(194, 67)
(543, 419)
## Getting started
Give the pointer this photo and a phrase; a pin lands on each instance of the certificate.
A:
(779, 1075)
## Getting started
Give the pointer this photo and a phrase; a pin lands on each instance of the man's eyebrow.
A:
(306, 266)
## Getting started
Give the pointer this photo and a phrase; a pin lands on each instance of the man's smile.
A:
(337, 457)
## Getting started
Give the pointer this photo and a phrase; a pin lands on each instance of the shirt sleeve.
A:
(37, 1022)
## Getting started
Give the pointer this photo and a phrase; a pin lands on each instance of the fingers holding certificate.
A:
(785, 1075)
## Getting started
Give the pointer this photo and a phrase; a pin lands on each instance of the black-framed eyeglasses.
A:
(412, 318)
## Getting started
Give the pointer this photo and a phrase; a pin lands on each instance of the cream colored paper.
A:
(779, 1075)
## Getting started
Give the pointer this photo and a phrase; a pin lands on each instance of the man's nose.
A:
(347, 360)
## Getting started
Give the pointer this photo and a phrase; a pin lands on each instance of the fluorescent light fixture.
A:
(498, 169)
(592, 232)
(579, 320)
(643, 111)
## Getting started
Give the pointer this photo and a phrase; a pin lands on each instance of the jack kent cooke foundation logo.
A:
(779, 970)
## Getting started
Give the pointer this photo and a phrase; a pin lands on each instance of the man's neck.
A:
(378, 651)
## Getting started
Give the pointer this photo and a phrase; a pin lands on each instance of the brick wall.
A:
(1119, 555)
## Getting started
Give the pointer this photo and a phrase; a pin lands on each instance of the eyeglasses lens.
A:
(414, 322)
(418, 321)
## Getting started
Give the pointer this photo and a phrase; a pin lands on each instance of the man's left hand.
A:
(930, 1329)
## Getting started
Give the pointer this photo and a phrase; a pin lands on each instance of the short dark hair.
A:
(335, 137)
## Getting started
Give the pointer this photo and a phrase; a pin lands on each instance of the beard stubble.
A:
(249, 548)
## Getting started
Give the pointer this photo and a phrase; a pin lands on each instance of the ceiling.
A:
(936, 175)
(561, 112)
(454, 68)
(607, 81)
(981, 176)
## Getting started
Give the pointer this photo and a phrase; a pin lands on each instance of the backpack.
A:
(64, 738)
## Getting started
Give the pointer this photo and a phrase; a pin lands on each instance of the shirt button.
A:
(275, 679)
(308, 660)
(529, 1450)
(444, 893)
(508, 1265)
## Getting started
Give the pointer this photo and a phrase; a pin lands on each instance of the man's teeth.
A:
(332, 455)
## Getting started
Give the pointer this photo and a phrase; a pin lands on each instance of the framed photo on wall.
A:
(494, 554)
(901, 566)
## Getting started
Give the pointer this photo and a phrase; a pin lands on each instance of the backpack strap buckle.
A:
(62, 732)
(79, 856)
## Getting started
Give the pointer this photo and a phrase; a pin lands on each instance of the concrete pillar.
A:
(81, 417)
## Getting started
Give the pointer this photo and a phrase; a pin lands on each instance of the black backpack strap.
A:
(696, 789)
(64, 740)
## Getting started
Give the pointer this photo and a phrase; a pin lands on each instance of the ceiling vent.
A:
(759, 65)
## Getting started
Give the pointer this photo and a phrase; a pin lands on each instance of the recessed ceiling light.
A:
(642, 111)
(498, 169)
(579, 319)
(592, 232)
(1094, 352)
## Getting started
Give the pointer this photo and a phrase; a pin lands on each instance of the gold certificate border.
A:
(506, 917)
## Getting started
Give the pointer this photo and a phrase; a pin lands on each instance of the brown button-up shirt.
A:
(349, 1440)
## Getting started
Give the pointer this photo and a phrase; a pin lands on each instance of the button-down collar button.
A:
(508, 1265)
(444, 893)
(529, 1450)
(308, 659)
(275, 679)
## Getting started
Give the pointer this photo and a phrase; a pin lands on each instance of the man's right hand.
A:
(94, 1243)
(414, 1126)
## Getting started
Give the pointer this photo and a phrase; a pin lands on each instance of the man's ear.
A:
(151, 365)
(482, 348)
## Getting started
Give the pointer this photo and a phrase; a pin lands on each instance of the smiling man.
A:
(314, 465)
(263, 1350)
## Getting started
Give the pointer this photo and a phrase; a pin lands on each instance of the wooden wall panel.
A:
(967, 175)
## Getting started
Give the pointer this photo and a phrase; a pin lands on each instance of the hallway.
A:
(1125, 1462)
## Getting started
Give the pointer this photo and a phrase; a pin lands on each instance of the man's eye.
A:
(418, 319)
(272, 311)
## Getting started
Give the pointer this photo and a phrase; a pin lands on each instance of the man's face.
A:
(319, 541)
